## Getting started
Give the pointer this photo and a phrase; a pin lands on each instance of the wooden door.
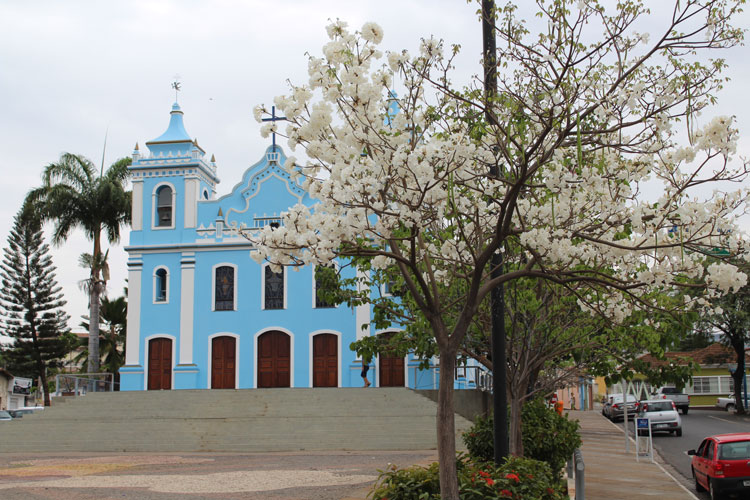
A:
(390, 368)
(159, 364)
(223, 362)
(391, 371)
(273, 359)
(325, 360)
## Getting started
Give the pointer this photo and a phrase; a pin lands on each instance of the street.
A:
(696, 425)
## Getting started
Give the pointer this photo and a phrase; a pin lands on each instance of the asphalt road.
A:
(696, 425)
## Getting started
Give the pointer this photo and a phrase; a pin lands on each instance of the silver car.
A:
(614, 409)
(4, 415)
(662, 416)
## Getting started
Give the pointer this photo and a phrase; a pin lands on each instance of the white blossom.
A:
(372, 33)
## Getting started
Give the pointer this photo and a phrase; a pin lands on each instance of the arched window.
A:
(164, 206)
(160, 285)
(325, 277)
(274, 289)
(224, 289)
(205, 194)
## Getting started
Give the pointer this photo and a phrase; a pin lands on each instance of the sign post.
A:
(643, 443)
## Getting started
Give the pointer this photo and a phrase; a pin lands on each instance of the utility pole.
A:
(497, 298)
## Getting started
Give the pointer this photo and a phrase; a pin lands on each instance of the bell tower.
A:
(168, 182)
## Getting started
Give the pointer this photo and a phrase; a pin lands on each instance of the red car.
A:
(722, 465)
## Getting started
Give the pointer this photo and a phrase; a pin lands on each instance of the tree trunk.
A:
(446, 430)
(738, 377)
(94, 293)
(44, 387)
(94, 303)
(515, 434)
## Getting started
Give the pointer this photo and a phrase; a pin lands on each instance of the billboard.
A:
(21, 386)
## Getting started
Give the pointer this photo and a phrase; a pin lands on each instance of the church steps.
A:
(230, 421)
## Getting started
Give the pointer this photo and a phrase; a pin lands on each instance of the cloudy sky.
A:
(73, 71)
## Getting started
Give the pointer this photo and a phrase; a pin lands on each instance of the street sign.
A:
(644, 446)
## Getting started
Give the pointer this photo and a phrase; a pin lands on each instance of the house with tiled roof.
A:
(712, 379)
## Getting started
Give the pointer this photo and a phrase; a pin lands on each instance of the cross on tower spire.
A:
(273, 118)
(176, 86)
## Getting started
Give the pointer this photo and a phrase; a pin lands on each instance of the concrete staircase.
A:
(246, 420)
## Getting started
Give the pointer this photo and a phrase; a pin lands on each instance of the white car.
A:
(5, 416)
(662, 416)
(728, 403)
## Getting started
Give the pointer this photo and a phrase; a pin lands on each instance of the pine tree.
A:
(31, 303)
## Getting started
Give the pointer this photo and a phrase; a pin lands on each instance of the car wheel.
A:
(678, 432)
(730, 408)
(698, 486)
(684, 411)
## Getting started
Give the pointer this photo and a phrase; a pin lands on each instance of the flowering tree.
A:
(590, 181)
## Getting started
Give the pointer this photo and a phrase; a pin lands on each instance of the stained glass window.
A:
(224, 294)
(274, 289)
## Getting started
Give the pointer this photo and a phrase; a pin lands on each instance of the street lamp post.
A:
(497, 299)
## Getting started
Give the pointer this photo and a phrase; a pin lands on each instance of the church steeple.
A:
(175, 139)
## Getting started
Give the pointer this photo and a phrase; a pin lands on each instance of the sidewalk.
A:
(612, 474)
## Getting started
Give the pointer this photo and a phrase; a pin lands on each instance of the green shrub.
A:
(518, 478)
(547, 436)
(479, 439)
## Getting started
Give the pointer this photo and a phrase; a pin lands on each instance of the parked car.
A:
(722, 465)
(614, 409)
(20, 412)
(728, 403)
(5, 416)
(662, 416)
(681, 400)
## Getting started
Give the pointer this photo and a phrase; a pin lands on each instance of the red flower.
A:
(506, 493)
(484, 474)
(513, 477)
(550, 491)
(490, 482)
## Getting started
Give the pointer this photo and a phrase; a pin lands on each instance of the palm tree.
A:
(74, 196)
(114, 318)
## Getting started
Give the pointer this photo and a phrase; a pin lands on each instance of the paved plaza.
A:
(273, 476)
(337, 475)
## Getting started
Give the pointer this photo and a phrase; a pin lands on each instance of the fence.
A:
(81, 383)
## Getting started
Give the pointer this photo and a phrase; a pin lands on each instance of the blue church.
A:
(202, 314)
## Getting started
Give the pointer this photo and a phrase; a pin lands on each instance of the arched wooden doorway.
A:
(390, 368)
(325, 360)
(159, 364)
(223, 362)
(273, 359)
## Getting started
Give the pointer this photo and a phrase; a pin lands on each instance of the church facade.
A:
(201, 313)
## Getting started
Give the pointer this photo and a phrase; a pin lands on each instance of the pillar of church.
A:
(186, 371)
(131, 374)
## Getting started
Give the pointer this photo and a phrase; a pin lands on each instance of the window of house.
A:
(323, 278)
(160, 285)
(702, 385)
(274, 289)
(224, 289)
(164, 207)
